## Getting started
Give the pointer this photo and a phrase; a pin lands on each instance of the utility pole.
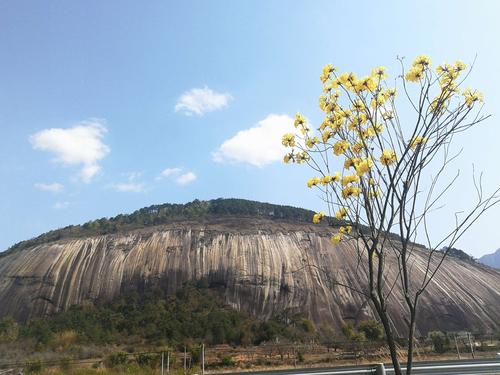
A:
(456, 344)
(202, 359)
(470, 344)
(185, 353)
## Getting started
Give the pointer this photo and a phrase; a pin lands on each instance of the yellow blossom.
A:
(302, 157)
(340, 147)
(422, 61)
(331, 178)
(336, 82)
(326, 179)
(391, 93)
(378, 128)
(299, 120)
(342, 213)
(287, 158)
(445, 68)
(388, 115)
(357, 148)
(471, 96)
(350, 162)
(313, 182)
(327, 134)
(345, 230)
(311, 141)
(350, 80)
(417, 141)
(415, 74)
(368, 83)
(347, 113)
(364, 166)
(449, 74)
(338, 123)
(327, 123)
(439, 105)
(336, 238)
(359, 106)
(355, 123)
(379, 72)
(325, 105)
(388, 157)
(327, 71)
(460, 65)
(351, 191)
(368, 133)
(288, 140)
(349, 179)
(318, 217)
(379, 100)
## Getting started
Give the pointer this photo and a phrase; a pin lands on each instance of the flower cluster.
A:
(471, 96)
(418, 69)
(448, 75)
(359, 128)
(349, 131)
(318, 217)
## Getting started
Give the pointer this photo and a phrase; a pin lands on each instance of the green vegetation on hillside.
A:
(152, 318)
(168, 213)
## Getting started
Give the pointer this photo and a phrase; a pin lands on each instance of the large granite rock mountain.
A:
(264, 262)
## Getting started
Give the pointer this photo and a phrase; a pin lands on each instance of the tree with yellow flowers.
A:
(370, 167)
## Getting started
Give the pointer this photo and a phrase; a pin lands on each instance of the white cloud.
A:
(79, 145)
(185, 178)
(167, 172)
(61, 205)
(200, 101)
(129, 187)
(54, 187)
(259, 145)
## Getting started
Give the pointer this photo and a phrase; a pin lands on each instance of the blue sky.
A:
(131, 89)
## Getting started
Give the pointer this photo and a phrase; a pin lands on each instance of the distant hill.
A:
(492, 260)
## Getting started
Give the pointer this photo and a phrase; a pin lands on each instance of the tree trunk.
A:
(411, 334)
(390, 339)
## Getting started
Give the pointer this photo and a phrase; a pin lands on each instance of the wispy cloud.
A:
(180, 179)
(61, 205)
(201, 100)
(259, 145)
(167, 172)
(129, 187)
(80, 145)
(54, 187)
(185, 178)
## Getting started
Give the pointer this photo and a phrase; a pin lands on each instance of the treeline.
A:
(195, 210)
(194, 314)
(167, 213)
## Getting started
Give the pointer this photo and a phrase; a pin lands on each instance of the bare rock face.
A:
(265, 267)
